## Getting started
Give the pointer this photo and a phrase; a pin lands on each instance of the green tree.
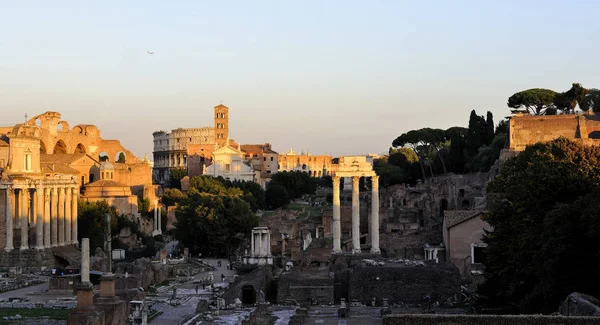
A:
(175, 177)
(296, 183)
(568, 100)
(456, 154)
(422, 142)
(536, 101)
(391, 174)
(489, 128)
(546, 231)
(172, 196)
(276, 196)
(502, 127)
(476, 133)
(213, 224)
(591, 101)
(102, 158)
(90, 221)
(121, 158)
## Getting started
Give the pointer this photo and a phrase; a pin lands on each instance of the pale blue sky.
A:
(335, 77)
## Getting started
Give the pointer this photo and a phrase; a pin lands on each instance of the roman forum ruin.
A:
(355, 167)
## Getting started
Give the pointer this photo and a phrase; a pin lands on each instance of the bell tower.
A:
(221, 124)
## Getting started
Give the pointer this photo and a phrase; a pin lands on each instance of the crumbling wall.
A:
(260, 279)
(406, 284)
(305, 286)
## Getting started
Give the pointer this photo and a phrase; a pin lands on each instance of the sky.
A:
(331, 77)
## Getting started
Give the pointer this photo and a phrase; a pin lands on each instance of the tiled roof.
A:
(57, 168)
(251, 148)
(454, 217)
(61, 158)
(105, 183)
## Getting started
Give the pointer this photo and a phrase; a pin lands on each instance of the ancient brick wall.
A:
(407, 284)
(487, 320)
(259, 279)
(526, 130)
(305, 286)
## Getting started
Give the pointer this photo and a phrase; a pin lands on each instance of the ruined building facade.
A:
(44, 168)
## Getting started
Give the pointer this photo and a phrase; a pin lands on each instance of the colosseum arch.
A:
(77, 130)
(43, 148)
(60, 147)
(80, 148)
(63, 126)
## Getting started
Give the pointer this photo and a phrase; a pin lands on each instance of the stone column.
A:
(54, 217)
(337, 224)
(47, 243)
(9, 220)
(375, 215)
(74, 215)
(24, 219)
(355, 215)
(39, 218)
(252, 245)
(67, 216)
(260, 244)
(61, 216)
(159, 221)
(155, 221)
(85, 260)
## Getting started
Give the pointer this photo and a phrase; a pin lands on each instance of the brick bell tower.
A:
(221, 124)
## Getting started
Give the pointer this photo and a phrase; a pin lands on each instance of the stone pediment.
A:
(227, 150)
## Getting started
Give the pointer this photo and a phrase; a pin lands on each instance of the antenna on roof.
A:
(25, 118)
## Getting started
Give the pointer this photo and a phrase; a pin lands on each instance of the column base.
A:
(337, 251)
(39, 248)
(375, 251)
(356, 251)
(8, 248)
(24, 248)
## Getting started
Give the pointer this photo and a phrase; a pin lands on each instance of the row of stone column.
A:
(177, 160)
(337, 226)
(52, 210)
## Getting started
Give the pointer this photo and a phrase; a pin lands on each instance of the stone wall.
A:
(304, 286)
(487, 320)
(406, 284)
(142, 273)
(259, 279)
(30, 259)
(526, 130)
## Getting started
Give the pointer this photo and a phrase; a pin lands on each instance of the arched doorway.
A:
(42, 148)
(80, 148)
(248, 295)
(60, 147)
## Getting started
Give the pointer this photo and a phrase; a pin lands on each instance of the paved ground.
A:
(187, 292)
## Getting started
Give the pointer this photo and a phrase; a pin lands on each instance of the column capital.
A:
(356, 178)
(336, 180)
